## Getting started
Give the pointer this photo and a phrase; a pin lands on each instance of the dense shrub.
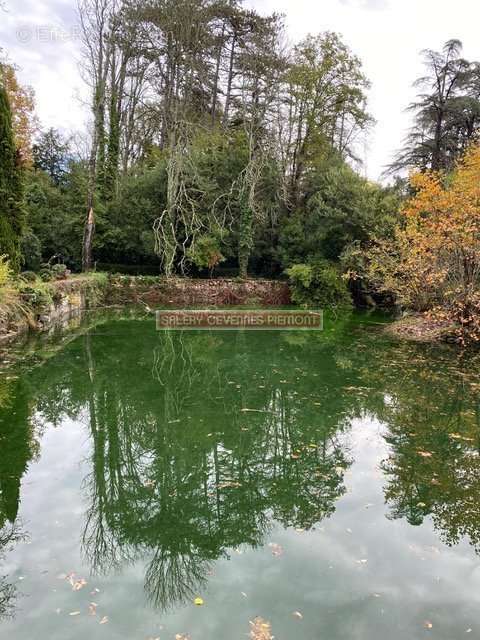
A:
(318, 284)
(205, 253)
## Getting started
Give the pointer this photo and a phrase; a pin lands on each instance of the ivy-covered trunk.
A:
(245, 239)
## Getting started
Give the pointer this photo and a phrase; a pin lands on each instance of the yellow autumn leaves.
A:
(433, 263)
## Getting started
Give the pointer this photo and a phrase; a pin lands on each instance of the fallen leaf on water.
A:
(277, 549)
(198, 602)
(79, 584)
(104, 620)
(297, 614)
(74, 613)
(260, 629)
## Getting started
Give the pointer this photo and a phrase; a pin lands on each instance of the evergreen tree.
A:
(11, 213)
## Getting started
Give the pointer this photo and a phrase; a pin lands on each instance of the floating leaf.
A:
(277, 549)
(198, 602)
(79, 584)
(260, 629)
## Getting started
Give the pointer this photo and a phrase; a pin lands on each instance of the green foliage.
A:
(9, 301)
(59, 270)
(46, 274)
(31, 248)
(5, 271)
(11, 211)
(205, 253)
(124, 230)
(55, 217)
(340, 208)
(446, 111)
(51, 154)
(28, 276)
(37, 294)
(318, 284)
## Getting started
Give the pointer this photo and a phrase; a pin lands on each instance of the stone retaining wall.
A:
(184, 292)
(67, 299)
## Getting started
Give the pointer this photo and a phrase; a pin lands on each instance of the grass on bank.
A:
(23, 296)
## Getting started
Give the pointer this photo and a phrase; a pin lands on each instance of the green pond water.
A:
(328, 482)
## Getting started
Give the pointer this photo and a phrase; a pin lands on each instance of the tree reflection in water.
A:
(433, 429)
(202, 442)
(17, 447)
(203, 451)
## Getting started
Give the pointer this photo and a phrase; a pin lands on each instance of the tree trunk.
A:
(88, 241)
(217, 75)
(230, 80)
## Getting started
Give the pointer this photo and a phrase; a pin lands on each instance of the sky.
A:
(42, 38)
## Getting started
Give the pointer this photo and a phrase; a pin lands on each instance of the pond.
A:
(325, 482)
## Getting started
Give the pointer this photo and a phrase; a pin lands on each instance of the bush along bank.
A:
(28, 302)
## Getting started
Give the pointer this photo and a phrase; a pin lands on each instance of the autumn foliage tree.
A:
(22, 105)
(433, 264)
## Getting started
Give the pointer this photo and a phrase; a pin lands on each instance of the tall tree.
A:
(95, 19)
(326, 106)
(51, 153)
(22, 104)
(446, 114)
(260, 67)
(11, 211)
